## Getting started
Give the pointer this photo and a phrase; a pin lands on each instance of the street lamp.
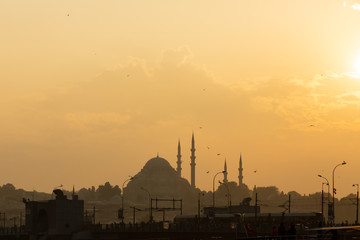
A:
(199, 205)
(122, 196)
(322, 198)
(150, 208)
(334, 189)
(357, 203)
(214, 186)
(228, 194)
(327, 183)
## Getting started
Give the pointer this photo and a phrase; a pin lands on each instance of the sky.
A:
(91, 90)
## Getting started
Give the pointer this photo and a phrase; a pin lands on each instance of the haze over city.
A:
(91, 90)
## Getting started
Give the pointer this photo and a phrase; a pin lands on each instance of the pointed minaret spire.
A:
(240, 172)
(192, 164)
(74, 196)
(178, 169)
(225, 173)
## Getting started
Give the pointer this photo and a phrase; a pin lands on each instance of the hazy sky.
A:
(91, 90)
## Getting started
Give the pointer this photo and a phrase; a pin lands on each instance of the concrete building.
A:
(54, 217)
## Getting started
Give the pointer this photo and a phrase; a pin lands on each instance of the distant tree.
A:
(295, 194)
(349, 199)
(106, 191)
(9, 192)
(268, 193)
(84, 194)
(7, 188)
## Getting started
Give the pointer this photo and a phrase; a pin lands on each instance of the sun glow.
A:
(357, 64)
(356, 6)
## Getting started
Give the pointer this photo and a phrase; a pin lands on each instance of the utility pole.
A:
(134, 212)
(214, 188)
(357, 203)
(122, 197)
(322, 201)
(289, 203)
(151, 208)
(357, 206)
(334, 191)
(328, 198)
(199, 208)
(322, 198)
(181, 207)
(94, 214)
(230, 204)
(256, 208)
(150, 203)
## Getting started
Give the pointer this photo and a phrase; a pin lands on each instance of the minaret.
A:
(74, 196)
(225, 173)
(178, 169)
(240, 172)
(192, 164)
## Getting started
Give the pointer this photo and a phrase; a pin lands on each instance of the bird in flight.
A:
(218, 154)
(255, 171)
(207, 171)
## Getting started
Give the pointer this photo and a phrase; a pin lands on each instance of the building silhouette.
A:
(157, 179)
(57, 216)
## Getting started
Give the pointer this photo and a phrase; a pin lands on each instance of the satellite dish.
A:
(59, 193)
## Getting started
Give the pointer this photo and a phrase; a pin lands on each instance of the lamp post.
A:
(228, 194)
(122, 196)
(357, 203)
(150, 208)
(327, 183)
(4, 219)
(214, 187)
(199, 204)
(334, 190)
(322, 198)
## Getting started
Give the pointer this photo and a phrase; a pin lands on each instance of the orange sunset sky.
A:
(91, 90)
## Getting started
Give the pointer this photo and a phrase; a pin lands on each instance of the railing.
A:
(289, 237)
(12, 230)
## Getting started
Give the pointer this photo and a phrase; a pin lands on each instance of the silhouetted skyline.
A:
(91, 91)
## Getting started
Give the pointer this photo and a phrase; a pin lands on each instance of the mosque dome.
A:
(158, 165)
(159, 178)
